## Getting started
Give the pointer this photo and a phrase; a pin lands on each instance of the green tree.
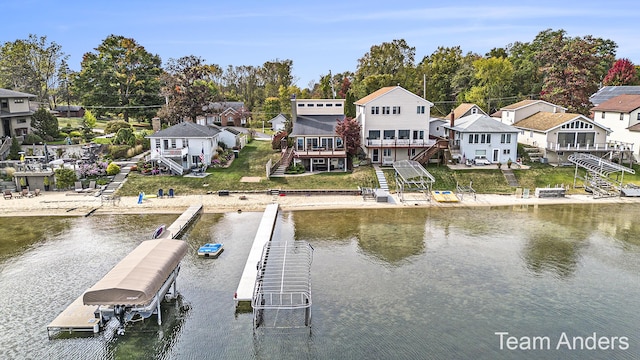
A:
(439, 70)
(121, 75)
(274, 74)
(63, 94)
(14, 150)
(189, 88)
(31, 65)
(271, 108)
(65, 178)
(349, 130)
(125, 136)
(88, 123)
(114, 125)
(45, 124)
(494, 77)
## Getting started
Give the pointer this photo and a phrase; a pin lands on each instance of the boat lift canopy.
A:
(410, 175)
(136, 279)
(598, 165)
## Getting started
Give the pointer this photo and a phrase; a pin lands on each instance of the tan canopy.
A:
(136, 279)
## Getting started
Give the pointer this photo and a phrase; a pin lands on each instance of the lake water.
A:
(387, 284)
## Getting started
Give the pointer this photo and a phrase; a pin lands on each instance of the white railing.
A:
(609, 146)
(173, 166)
(158, 153)
(398, 142)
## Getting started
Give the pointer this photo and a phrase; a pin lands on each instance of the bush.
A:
(113, 169)
(63, 134)
(65, 178)
(75, 133)
(118, 151)
(115, 125)
(31, 139)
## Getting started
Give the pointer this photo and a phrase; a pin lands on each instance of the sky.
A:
(318, 36)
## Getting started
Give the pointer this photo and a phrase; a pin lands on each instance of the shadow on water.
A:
(21, 234)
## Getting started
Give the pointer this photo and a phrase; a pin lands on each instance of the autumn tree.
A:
(121, 76)
(573, 68)
(189, 88)
(30, 65)
(349, 130)
(623, 72)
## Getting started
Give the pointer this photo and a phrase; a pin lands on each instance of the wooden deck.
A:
(263, 236)
(175, 230)
(76, 317)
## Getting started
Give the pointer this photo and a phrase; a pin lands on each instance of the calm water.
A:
(388, 284)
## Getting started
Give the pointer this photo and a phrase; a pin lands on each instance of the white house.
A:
(395, 124)
(184, 146)
(513, 113)
(481, 137)
(622, 115)
(278, 122)
(231, 137)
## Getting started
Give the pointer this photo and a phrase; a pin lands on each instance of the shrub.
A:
(32, 138)
(63, 134)
(115, 125)
(113, 169)
(118, 151)
(65, 178)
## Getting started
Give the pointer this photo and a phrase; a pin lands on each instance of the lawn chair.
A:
(92, 186)
(170, 193)
(26, 193)
(78, 187)
(36, 192)
(160, 193)
(7, 195)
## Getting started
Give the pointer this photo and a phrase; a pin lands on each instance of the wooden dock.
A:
(77, 317)
(263, 236)
(182, 223)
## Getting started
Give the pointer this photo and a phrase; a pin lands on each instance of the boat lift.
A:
(412, 177)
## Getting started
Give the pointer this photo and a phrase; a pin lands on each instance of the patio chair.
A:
(26, 193)
(78, 187)
(92, 186)
(160, 193)
(7, 195)
(36, 192)
(170, 193)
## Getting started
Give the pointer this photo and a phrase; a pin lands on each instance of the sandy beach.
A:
(73, 204)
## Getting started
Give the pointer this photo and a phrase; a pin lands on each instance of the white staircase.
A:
(173, 166)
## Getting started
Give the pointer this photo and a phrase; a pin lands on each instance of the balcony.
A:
(158, 153)
(602, 147)
(399, 143)
(317, 152)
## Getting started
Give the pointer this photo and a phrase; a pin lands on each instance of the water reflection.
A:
(20, 233)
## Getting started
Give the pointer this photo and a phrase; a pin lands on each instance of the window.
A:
(602, 116)
(639, 116)
(309, 105)
(173, 143)
(312, 143)
(319, 105)
(166, 143)
(386, 152)
(403, 134)
(22, 121)
(474, 111)
(470, 138)
(389, 134)
(418, 134)
(386, 110)
(339, 144)
(375, 110)
(482, 138)
(4, 104)
(420, 110)
(300, 105)
(396, 110)
(338, 104)
(300, 144)
(18, 101)
(326, 143)
(157, 141)
(374, 134)
(505, 139)
(488, 138)
(318, 161)
(621, 116)
(329, 105)
(506, 151)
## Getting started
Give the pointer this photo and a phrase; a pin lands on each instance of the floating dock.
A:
(444, 196)
(244, 293)
(144, 294)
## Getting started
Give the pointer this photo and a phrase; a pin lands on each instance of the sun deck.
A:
(76, 317)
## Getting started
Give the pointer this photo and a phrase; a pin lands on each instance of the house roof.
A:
(607, 92)
(621, 103)
(463, 108)
(480, 123)
(186, 130)
(316, 125)
(5, 93)
(278, 118)
(525, 103)
(545, 121)
(385, 90)
(69, 107)
(224, 105)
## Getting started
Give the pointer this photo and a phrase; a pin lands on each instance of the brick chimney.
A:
(294, 110)
(452, 124)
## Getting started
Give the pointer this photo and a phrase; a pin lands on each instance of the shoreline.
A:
(72, 204)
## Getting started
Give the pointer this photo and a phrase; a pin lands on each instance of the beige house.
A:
(15, 113)
(523, 109)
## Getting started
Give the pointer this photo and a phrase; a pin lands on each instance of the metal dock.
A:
(79, 317)
(244, 293)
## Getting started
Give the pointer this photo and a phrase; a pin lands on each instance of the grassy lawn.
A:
(252, 160)
(250, 163)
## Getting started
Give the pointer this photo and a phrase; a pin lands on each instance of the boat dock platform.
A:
(244, 293)
(78, 317)
(175, 230)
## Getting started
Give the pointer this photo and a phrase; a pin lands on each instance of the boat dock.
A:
(182, 223)
(244, 293)
(78, 317)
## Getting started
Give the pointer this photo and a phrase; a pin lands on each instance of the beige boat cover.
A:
(136, 279)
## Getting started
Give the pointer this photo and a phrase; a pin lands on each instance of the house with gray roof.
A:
(609, 92)
(484, 139)
(316, 145)
(227, 113)
(15, 113)
(278, 123)
(184, 146)
(622, 115)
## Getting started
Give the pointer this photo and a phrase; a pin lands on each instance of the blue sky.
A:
(318, 36)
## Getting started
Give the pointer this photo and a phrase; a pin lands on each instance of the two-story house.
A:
(184, 146)
(227, 113)
(15, 113)
(513, 113)
(484, 139)
(622, 115)
(395, 125)
(315, 143)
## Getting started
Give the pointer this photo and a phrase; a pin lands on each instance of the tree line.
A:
(120, 78)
